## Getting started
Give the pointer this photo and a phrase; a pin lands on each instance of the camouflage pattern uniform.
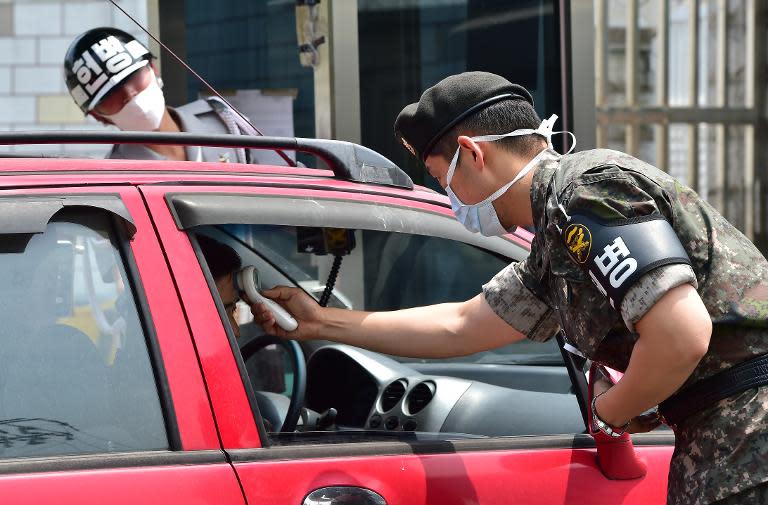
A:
(722, 450)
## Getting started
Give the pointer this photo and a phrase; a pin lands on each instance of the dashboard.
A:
(373, 392)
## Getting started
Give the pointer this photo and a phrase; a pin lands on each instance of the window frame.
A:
(150, 336)
(232, 340)
(193, 210)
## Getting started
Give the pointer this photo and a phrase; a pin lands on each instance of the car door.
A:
(101, 396)
(365, 464)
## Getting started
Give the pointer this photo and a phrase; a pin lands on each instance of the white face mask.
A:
(144, 112)
(481, 217)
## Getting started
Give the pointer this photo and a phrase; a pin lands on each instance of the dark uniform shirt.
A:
(722, 449)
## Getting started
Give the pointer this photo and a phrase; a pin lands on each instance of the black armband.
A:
(618, 253)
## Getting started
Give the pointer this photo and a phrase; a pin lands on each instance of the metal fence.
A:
(681, 84)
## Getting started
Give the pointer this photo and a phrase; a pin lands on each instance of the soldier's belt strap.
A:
(616, 254)
(706, 392)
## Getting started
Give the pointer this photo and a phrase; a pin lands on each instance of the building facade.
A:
(678, 83)
(34, 36)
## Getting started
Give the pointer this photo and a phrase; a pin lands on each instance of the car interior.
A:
(520, 389)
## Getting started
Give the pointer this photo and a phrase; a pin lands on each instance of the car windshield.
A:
(385, 271)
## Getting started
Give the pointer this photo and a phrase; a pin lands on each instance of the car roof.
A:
(352, 168)
(73, 171)
(347, 160)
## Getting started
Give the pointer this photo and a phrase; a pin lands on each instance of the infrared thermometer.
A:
(247, 281)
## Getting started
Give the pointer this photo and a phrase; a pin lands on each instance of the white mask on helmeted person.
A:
(144, 112)
(481, 217)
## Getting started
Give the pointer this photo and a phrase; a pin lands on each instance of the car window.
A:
(390, 271)
(354, 389)
(75, 373)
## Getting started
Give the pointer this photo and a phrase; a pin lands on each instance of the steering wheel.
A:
(299, 374)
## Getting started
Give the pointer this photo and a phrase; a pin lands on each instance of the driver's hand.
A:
(299, 304)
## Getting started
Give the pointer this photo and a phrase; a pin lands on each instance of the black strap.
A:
(574, 364)
(746, 375)
(616, 254)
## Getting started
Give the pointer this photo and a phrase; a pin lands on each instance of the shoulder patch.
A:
(616, 254)
(578, 242)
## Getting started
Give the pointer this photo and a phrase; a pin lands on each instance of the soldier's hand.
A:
(601, 385)
(644, 423)
(640, 424)
(303, 308)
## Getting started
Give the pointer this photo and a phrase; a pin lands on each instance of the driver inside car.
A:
(265, 368)
(223, 262)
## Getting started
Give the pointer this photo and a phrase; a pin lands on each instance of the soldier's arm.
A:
(660, 303)
(436, 331)
(505, 312)
(673, 337)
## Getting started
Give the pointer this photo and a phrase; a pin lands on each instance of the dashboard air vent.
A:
(420, 396)
(392, 394)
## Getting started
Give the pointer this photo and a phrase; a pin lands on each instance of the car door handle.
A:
(346, 495)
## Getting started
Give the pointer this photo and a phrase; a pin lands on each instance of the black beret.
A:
(420, 125)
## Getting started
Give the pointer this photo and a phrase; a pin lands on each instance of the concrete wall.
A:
(34, 35)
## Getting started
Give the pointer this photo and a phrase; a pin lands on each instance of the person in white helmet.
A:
(112, 76)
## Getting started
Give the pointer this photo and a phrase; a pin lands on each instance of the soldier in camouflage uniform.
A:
(722, 449)
(678, 323)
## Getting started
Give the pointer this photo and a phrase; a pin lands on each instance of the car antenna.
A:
(285, 157)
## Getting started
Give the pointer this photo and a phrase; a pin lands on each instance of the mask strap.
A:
(522, 173)
(544, 129)
(573, 144)
(492, 138)
(452, 167)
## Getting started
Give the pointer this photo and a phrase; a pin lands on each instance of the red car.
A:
(122, 381)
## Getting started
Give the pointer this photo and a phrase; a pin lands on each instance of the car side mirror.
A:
(616, 457)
